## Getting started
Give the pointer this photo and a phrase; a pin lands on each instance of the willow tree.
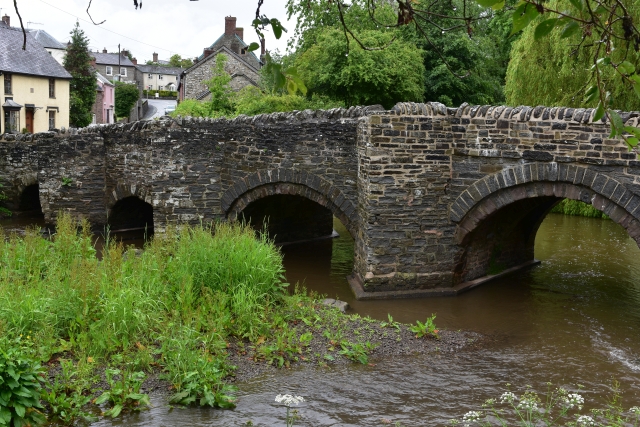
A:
(557, 70)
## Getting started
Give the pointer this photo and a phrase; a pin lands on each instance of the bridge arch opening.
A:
(499, 232)
(131, 214)
(288, 218)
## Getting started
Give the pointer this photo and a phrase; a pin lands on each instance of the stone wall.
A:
(436, 198)
(242, 75)
(448, 195)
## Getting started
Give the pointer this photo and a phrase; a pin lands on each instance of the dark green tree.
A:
(82, 89)
(363, 77)
(126, 95)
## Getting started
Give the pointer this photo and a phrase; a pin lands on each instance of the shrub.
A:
(578, 208)
(20, 388)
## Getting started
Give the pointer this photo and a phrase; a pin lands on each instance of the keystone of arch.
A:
(124, 189)
(292, 182)
(493, 192)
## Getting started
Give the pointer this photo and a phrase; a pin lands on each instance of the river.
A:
(574, 319)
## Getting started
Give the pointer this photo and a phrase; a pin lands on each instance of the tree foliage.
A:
(363, 77)
(177, 61)
(564, 65)
(126, 96)
(219, 87)
(82, 88)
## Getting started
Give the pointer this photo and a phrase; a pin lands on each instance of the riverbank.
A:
(199, 309)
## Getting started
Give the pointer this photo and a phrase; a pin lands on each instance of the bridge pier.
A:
(437, 199)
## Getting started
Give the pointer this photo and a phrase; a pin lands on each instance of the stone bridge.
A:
(437, 199)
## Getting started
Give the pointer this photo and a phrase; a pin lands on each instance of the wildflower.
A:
(635, 410)
(288, 399)
(528, 405)
(573, 399)
(508, 397)
(471, 417)
(585, 421)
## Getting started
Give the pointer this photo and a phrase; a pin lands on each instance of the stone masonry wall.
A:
(195, 77)
(423, 168)
(434, 196)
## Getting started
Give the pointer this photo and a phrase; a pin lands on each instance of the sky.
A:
(163, 26)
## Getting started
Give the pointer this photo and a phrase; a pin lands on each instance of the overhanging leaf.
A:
(488, 3)
(626, 67)
(599, 114)
(577, 4)
(545, 28)
(253, 46)
(636, 83)
(523, 15)
(570, 29)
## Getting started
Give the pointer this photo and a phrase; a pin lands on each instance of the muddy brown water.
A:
(574, 319)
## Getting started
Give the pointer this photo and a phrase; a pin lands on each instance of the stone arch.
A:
(123, 191)
(500, 214)
(16, 190)
(270, 182)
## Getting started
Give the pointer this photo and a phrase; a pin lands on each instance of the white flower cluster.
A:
(288, 399)
(573, 399)
(508, 397)
(471, 417)
(585, 421)
(528, 405)
(634, 410)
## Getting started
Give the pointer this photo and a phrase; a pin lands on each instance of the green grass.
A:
(577, 208)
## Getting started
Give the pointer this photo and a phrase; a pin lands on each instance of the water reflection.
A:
(572, 319)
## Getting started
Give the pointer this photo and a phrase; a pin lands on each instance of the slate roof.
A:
(214, 45)
(35, 60)
(46, 39)
(157, 69)
(102, 79)
(111, 59)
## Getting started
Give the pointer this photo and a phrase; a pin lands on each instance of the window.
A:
(159, 76)
(150, 76)
(109, 70)
(123, 71)
(11, 121)
(52, 119)
(160, 87)
(7, 84)
(149, 87)
(52, 88)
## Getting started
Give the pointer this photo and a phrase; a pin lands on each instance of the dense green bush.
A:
(577, 208)
(20, 388)
(126, 96)
(161, 93)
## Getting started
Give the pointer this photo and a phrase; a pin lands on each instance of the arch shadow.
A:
(498, 216)
(262, 184)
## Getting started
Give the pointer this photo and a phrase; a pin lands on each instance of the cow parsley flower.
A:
(508, 397)
(574, 399)
(288, 399)
(528, 405)
(585, 421)
(471, 417)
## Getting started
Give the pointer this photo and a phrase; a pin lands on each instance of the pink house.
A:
(103, 108)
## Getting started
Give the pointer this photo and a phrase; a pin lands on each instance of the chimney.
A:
(135, 61)
(125, 52)
(6, 20)
(229, 25)
(206, 52)
(240, 33)
(155, 57)
(262, 47)
(104, 50)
